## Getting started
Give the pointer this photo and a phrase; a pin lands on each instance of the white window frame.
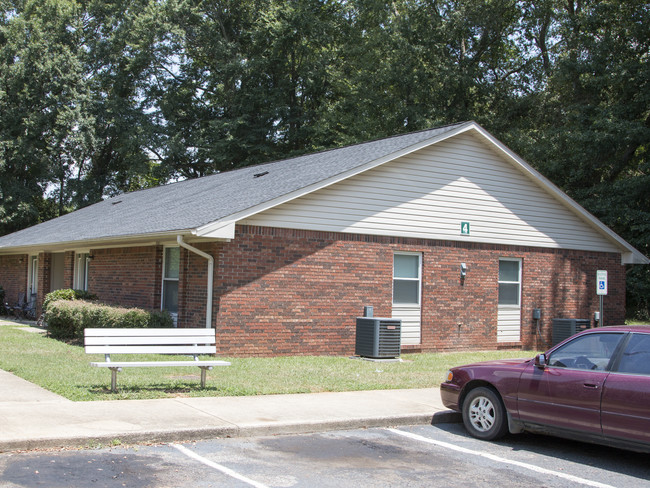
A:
(166, 279)
(409, 313)
(418, 279)
(32, 288)
(81, 264)
(518, 282)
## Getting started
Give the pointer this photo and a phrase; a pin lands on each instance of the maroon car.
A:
(594, 386)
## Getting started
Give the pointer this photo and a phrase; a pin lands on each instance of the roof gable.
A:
(189, 205)
(429, 193)
(210, 206)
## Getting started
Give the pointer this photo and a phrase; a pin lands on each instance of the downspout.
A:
(208, 312)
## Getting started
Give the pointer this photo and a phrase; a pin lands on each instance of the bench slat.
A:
(116, 341)
(151, 349)
(150, 364)
(152, 332)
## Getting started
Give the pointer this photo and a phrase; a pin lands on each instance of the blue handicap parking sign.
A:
(601, 282)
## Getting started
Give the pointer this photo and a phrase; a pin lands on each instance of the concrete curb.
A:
(34, 418)
(250, 430)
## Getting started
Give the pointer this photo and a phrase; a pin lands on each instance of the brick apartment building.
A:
(446, 229)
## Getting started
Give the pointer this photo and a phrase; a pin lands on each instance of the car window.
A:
(636, 357)
(591, 351)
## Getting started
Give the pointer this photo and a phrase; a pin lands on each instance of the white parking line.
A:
(498, 459)
(218, 467)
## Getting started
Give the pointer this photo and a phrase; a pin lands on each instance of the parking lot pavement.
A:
(416, 456)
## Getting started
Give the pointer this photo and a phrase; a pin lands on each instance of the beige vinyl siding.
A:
(509, 324)
(429, 193)
(411, 323)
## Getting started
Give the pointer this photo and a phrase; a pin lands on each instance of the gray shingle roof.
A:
(194, 203)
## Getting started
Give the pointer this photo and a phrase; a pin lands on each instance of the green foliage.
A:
(67, 319)
(63, 368)
(103, 97)
(42, 91)
(67, 294)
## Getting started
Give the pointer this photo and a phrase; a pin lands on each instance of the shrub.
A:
(67, 294)
(67, 319)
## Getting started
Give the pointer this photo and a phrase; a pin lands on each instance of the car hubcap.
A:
(481, 414)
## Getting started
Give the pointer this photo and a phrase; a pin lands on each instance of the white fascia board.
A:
(115, 242)
(629, 254)
(208, 229)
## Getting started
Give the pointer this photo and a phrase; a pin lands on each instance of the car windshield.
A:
(591, 351)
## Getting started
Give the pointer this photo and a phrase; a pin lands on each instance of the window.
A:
(636, 357)
(406, 279)
(171, 265)
(509, 282)
(591, 351)
(81, 271)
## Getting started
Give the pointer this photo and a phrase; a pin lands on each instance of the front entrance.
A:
(57, 281)
(509, 313)
(407, 292)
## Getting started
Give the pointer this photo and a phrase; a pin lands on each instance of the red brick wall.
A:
(68, 271)
(294, 292)
(192, 287)
(298, 292)
(14, 271)
(13, 276)
(127, 276)
(561, 283)
(282, 292)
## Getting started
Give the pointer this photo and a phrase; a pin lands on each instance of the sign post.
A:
(601, 291)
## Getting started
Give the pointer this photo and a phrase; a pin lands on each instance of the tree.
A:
(587, 126)
(99, 97)
(251, 80)
(74, 120)
(124, 43)
(42, 92)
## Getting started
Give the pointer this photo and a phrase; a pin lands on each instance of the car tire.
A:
(484, 415)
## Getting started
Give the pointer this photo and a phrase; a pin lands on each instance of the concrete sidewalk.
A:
(31, 417)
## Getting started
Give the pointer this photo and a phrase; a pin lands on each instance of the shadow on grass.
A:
(160, 388)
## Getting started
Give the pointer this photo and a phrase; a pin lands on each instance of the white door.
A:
(407, 292)
(509, 315)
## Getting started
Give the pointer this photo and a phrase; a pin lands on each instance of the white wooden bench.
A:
(151, 341)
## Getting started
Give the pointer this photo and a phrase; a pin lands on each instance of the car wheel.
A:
(484, 415)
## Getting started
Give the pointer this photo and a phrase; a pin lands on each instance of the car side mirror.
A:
(540, 361)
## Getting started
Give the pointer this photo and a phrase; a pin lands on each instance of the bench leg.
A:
(203, 374)
(114, 372)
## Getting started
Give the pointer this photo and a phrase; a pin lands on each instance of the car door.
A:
(566, 392)
(626, 395)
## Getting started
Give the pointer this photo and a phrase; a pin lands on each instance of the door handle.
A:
(592, 386)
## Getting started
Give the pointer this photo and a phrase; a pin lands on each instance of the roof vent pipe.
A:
(208, 311)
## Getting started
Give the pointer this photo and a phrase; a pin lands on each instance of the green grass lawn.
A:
(65, 369)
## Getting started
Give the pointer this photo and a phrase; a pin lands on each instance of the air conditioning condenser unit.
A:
(379, 338)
